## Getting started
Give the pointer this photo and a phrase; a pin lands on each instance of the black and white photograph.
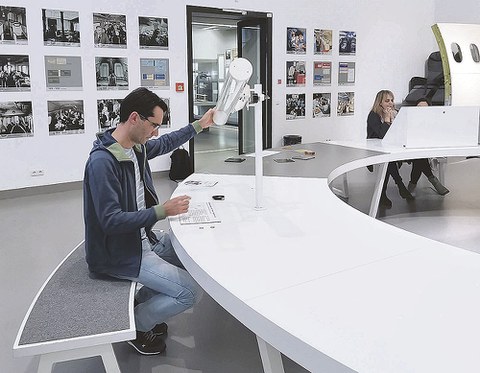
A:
(61, 27)
(65, 117)
(346, 73)
(111, 73)
(109, 30)
(296, 73)
(346, 104)
(154, 73)
(63, 73)
(14, 73)
(296, 40)
(108, 113)
(13, 25)
(16, 119)
(167, 120)
(323, 41)
(347, 42)
(322, 73)
(321, 104)
(295, 106)
(153, 33)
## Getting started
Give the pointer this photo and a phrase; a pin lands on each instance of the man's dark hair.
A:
(143, 101)
(423, 99)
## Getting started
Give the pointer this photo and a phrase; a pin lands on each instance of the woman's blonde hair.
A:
(378, 100)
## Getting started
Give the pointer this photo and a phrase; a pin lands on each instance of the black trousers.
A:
(420, 166)
(392, 170)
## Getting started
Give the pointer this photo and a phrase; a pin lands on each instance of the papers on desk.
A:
(203, 183)
(199, 213)
(265, 153)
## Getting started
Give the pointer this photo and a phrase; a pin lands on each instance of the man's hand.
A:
(207, 119)
(177, 205)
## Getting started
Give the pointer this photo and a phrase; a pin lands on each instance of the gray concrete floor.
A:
(38, 231)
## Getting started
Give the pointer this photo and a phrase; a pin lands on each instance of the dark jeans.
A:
(420, 166)
(392, 170)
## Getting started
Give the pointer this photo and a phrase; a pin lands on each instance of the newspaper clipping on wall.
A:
(346, 104)
(296, 40)
(295, 106)
(321, 104)
(323, 41)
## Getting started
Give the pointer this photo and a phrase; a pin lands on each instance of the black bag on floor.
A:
(181, 166)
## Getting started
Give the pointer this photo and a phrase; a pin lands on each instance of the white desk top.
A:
(317, 280)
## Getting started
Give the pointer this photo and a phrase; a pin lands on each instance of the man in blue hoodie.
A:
(121, 207)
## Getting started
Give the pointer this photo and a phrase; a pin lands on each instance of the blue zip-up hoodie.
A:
(112, 222)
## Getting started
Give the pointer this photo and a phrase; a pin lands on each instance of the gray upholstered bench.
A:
(75, 316)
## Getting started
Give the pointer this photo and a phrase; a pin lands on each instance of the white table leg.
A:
(47, 361)
(382, 171)
(271, 358)
(342, 192)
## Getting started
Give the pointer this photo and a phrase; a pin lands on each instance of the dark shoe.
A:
(438, 186)
(411, 187)
(148, 343)
(160, 329)
(404, 193)
(385, 202)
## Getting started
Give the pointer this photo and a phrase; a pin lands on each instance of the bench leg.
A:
(271, 358)
(47, 361)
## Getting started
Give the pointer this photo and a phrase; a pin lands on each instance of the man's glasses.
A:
(154, 125)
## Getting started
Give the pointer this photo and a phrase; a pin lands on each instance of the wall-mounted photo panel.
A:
(346, 73)
(322, 104)
(322, 73)
(16, 119)
(296, 40)
(108, 113)
(153, 33)
(111, 73)
(323, 41)
(63, 73)
(61, 27)
(346, 104)
(295, 106)
(167, 120)
(65, 117)
(13, 25)
(109, 30)
(154, 73)
(14, 73)
(296, 73)
(347, 42)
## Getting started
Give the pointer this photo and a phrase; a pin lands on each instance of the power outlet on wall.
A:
(37, 173)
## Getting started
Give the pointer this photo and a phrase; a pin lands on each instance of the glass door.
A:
(252, 45)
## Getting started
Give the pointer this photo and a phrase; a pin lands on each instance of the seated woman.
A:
(422, 166)
(378, 122)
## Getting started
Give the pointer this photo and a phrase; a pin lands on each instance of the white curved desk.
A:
(330, 287)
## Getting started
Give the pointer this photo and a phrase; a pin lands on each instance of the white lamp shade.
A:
(238, 75)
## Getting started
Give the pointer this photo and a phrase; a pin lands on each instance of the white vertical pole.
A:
(258, 149)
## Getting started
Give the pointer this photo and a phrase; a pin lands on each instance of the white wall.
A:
(393, 41)
(463, 11)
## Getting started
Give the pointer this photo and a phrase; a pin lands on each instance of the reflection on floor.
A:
(453, 218)
(218, 143)
(38, 231)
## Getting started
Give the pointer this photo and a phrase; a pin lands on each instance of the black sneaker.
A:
(148, 343)
(160, 329)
